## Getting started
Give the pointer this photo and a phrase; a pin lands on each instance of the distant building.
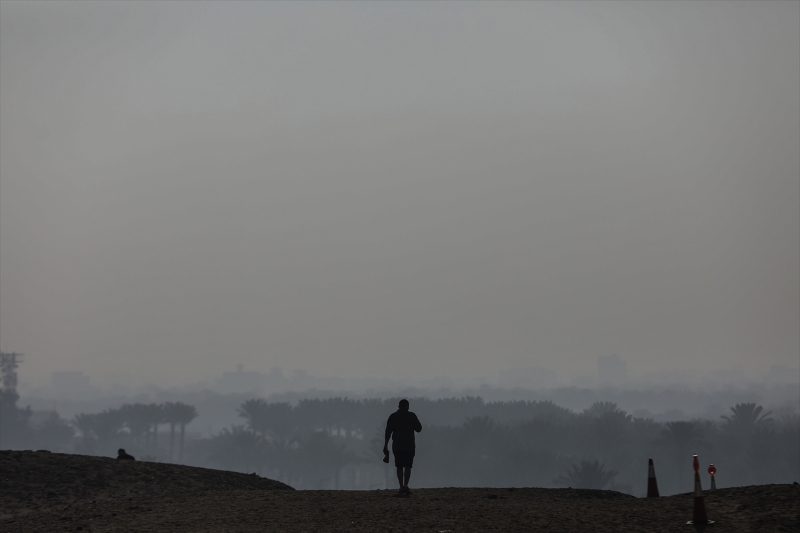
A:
(611, 369)
(531, 377)
(241, 381)
(249, 381)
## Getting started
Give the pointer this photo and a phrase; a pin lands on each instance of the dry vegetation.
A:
(56, 492)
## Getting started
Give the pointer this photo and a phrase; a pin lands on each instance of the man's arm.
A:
(387, 435)
(417, 424)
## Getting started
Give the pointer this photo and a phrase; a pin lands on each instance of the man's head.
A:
(403, 405)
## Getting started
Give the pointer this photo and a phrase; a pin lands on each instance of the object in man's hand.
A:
(386, 457)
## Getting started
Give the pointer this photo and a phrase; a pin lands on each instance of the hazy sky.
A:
(399, 189)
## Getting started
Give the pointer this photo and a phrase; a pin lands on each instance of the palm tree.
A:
(549, 410)
(136, 419)
(84, 423)
(612, 435)
(746, 417)
(279, 455)
(519, 462)
(371, 410)
(748, 432)
(322, 452)
(183, 414)
(478, 427)
(683, 438)
(280, 422)
(238, 448)
(476, 432)
(106, 426)
(347, 413)
(273, 419)
(255, 411)
(155, 417)
(376, 452)
(172, 416)
(54, 433)
(600, 408)
(590, 475)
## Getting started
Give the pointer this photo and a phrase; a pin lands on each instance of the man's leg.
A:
(406, 475)
(400, 476)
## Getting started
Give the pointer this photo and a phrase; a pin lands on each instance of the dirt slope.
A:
(147, 506)
(38, 481)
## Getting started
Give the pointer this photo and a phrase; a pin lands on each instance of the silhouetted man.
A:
(123, 455)
(400, 428)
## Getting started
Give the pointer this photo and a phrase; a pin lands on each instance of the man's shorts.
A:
(404, 459)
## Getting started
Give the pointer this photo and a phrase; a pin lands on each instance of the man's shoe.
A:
(406, 490)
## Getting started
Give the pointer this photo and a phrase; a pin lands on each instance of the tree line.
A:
(134, 426)
(520, 443)
(337, 443)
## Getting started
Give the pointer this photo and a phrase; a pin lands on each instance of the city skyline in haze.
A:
(399, 190)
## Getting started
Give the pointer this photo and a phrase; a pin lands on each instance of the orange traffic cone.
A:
(699, 516)
(652, 484)
(712, 470)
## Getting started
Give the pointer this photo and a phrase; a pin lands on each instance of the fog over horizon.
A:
(401, 191)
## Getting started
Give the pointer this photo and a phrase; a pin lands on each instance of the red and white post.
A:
(699, 516)
(712, 470)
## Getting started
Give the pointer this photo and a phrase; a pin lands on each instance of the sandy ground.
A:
(247, 509)
(32, 482)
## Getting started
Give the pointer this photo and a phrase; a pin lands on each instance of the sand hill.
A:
(48, 492)
(33, 482)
